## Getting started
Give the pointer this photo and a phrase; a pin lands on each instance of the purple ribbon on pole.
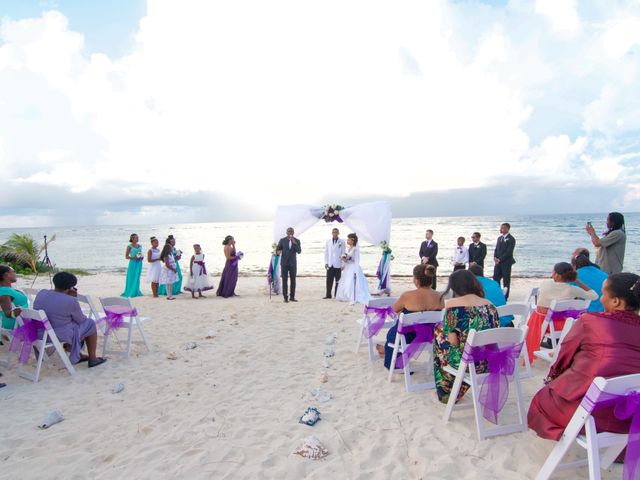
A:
(624, 407)
(26, 335)
(115, 316)
(383, 281)
(203, 268)
(424, 335)
(381, 315)
(495, 386)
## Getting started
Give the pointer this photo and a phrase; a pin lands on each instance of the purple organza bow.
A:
(24, 336)
(624, 407)
(115, 316)
(495, 386)
(567, 314)
(203, 268)
(424, 335)
(381, 315)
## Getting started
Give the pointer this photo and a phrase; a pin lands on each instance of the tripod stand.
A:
(46, 261)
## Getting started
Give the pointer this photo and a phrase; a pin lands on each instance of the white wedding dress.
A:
(352, 275)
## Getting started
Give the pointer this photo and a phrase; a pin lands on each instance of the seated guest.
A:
(422, 299)
(492, 292)
(601, 344)
(557, 288)
(65, 315)
(468, 309)
(11, 300)
(589, 274)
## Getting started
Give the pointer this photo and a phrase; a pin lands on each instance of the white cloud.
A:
(561, 13)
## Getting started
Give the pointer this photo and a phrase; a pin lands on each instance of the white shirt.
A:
(333, 252)
(460, 255)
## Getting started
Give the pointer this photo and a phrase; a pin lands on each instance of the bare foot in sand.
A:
(380, 350)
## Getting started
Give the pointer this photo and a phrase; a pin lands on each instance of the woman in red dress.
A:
(600, 344)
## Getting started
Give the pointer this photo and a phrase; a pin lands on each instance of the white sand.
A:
(230, 407)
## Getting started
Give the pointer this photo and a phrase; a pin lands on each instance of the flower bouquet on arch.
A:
(273, 272)
(331, 213)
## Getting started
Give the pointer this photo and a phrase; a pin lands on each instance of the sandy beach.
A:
(230, 407)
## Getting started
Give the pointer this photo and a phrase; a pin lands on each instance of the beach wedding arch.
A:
(370, 221)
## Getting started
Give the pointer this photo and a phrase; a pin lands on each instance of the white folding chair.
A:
(502, 337)
(6, 334)
(520, 311)
(90, 309)
(551, 354)
(129, 321)
(400, 346)
(555, 307)
(31, 294)
(591, 441)
(49, 340)
(366, 320)
(531, 299)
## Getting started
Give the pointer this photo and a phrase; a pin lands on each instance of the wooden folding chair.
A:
(367, 319)
(501, 337)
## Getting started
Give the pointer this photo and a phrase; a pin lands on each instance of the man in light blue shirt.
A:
(492, 292)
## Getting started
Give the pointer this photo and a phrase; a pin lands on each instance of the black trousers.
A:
(502, 271)
(288, 271)
(434, 278)
(333, 273)
(459, 266)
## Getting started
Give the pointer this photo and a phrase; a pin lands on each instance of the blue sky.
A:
(148, 111)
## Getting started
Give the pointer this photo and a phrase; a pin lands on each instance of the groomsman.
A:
(477, 250)
(333, 251)
(289, 247)
(460, 256)
(429, 253)
(503, 257)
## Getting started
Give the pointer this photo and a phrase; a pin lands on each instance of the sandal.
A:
(96, 362)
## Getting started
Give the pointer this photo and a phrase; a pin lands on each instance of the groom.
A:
(333, 251)
(289, 247)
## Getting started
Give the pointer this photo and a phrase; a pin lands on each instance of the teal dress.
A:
(18, 299)
(176, 289)
(132, 288)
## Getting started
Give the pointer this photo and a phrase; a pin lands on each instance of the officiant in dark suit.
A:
(477, 250)
(429, 253)
(289, 248)
(503, 257)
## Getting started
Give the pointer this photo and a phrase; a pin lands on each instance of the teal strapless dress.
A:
(134, 270)
(18, 299)
(176, 289)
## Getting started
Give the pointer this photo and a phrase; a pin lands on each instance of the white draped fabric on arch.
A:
(370, 221)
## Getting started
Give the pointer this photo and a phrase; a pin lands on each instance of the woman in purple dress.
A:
(229, 276)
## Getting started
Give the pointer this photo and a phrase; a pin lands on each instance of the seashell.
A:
(172, 356)
(117, 388)
(329, 340)
(310, 417)
(328, 353)
(324, 377)
(320, 395)
(325, 363)
(311, 448)
(190, 345)
(210, 335)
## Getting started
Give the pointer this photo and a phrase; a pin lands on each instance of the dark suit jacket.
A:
(430, 251)
(504, 249)
(477, 254)
(288, 257)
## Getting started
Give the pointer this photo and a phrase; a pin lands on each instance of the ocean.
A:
(542, 240)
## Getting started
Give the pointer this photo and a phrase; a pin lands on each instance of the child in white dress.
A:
(198, 278)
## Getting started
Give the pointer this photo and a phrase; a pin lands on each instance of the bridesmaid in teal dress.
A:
(177, 285)
(133, 253)
(11, 300)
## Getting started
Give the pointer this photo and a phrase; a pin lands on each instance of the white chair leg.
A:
(405, 368)
(360, 335)
(457, 384)
(524, 355)
(41, 353)
(610, 454)
(63, 356)
(552, 335)
(475, 396)
(105, 344)
(559, 451)
(129, 334)
(522, 413)
(144, 337)
(593, 453)
(394, 356)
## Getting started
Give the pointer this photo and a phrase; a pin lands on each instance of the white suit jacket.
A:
(333, 252)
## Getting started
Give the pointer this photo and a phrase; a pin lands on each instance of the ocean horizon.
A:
(542, 241)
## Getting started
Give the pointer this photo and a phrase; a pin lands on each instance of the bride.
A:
(353, 286)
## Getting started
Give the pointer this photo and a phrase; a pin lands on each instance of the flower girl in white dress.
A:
(353, 286)
(198, 278)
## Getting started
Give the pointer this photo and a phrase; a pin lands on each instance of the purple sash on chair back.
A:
(567, 314)
(424, 335)
(495, 386)
(26, 335)
(381, 314)
(115, 316)
(624, 407)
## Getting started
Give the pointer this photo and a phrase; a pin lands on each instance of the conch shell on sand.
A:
(312, 448)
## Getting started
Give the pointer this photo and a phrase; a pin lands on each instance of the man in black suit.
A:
(429, 253)
(477, 250)
(503, 257)
(289, 248)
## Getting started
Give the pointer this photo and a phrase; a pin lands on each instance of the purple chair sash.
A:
(24, 337)
(115, 316)
(424, 335)
(495, 386)
(567, 314)
(624, 407)
(203, 268)
(381, 315)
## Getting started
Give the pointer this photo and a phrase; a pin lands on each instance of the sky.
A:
(132, 111)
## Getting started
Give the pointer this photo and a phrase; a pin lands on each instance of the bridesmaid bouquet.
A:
(240, 255)
(139, 256)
